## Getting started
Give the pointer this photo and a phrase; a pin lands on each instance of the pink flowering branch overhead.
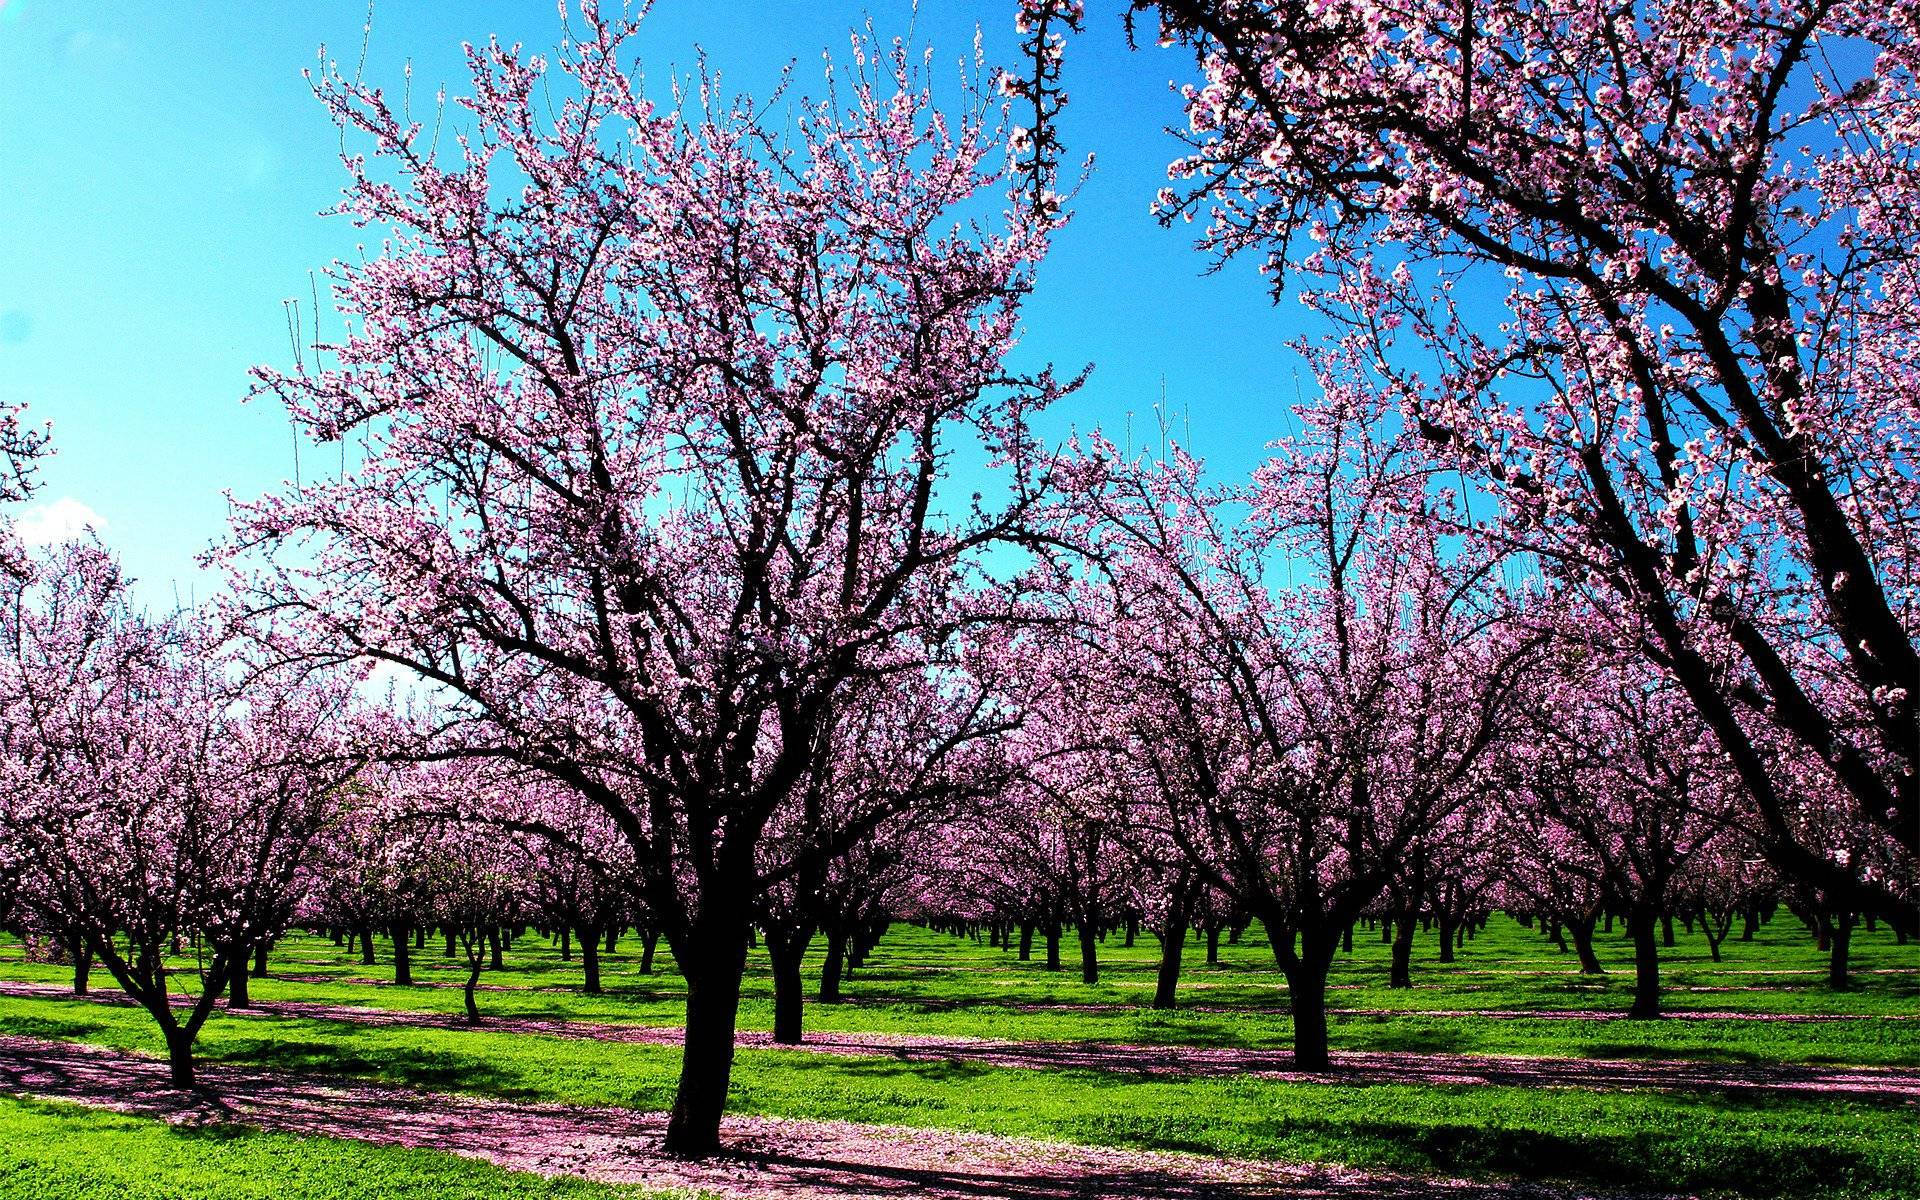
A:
(1647, 272)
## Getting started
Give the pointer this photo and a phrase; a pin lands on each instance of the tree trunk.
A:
(1400, 974)
(613, 938)
(566, 942)
(1643, 923)
(237, 993)
(1053, 946)
(1306, 975)
(450, 950)
(1173, 940)
(830, 969)
(648, 941)
(590, 958)
(786, 950)
(1582, 930)
(1838, 945)
(1026, 941)
(260, 958)
(82, 965)
(179, 1057)
(1447, 924)
(402, 956)
(495, 961)
(366, 945)
(1213, 945)
(1749, 923)
(1089, 955)
(706, 1061)
(1666, 929)
(473, 980)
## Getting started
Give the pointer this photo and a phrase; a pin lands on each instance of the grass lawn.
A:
(66, 1152)
(930, 983)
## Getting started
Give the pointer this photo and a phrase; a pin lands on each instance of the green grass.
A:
(921, 982)
(1768, 1146)
(65, 1152)
(929, 983)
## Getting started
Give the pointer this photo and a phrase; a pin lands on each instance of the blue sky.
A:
(165, 165)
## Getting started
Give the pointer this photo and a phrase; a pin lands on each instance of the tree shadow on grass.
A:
(1708, 1161)
(410, 1066)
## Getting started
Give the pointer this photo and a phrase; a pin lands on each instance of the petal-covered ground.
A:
(1349, 1067)
(778, 1159)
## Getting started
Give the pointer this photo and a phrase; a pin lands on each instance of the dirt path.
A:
(1349, 1067)
(778, 1159)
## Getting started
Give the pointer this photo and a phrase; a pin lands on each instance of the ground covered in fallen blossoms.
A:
(955, 1069)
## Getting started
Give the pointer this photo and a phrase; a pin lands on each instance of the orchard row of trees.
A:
(689, 464)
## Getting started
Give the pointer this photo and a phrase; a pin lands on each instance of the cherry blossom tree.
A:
(652, 410)
(577, 871)
(1311, 682)
(1699, 401)
(1625, 768)
(162, 790)
(362, 875)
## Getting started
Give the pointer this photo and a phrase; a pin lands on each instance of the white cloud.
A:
(57, 521)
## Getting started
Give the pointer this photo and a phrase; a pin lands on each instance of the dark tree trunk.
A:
(1306, 974)
(1026, 941)
(260, 958)
(648, 941)
(706, 1062)
(179, 1057)
(1446, 922)
(1053, 946)
(1643, 923)
(1400, 973)
(1173, 940)
(1089, 955)
(1346, 940)
(450, 949)
(613, 938)
(1749, 923)
(82, 965)
(1133, 930)
(1213, 945)
(238, 995)
(786, 950)
(402, 956)
(590, 958)
(1582, 929)
(494, 961)
(473, 980)
(1666, 930)
(834, 964)
(1838, 946)
(366, 945)
(566, 942)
